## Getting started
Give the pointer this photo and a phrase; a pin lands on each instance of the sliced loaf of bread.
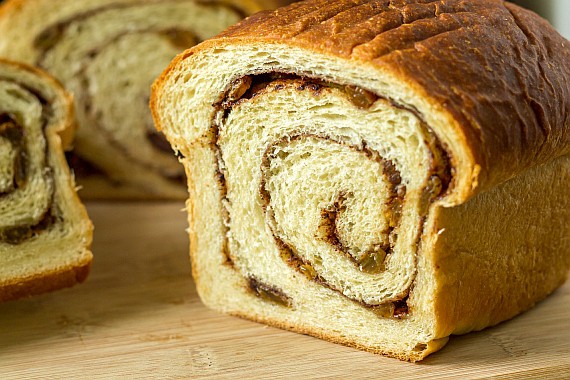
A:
(381, 174)
(45, 234)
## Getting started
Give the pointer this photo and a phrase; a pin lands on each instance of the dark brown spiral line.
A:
(247, 87)
(373, 261)
(13, 132)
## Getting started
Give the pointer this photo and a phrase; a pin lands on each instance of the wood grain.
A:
(138, 316)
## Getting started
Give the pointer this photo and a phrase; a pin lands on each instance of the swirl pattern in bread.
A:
(107, 53)
(381, 174)
(45, 233)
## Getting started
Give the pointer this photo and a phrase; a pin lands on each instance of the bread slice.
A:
(377, 174)
(107, 53)
(45, 233)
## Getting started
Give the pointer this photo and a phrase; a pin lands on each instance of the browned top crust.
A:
(500, 70)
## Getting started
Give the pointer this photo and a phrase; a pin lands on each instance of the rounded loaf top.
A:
(500, 71)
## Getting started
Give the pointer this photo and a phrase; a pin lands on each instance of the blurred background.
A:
(557, 11)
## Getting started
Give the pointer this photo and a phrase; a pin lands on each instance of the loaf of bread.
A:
(107, 53)
(45, 233)
(381, 174)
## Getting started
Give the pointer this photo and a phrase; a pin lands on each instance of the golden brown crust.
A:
(500, 70)
(47, 282)
(504, 250)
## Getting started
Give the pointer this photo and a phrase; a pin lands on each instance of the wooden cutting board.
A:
(138, 316)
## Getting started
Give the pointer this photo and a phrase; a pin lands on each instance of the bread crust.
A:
(59, 137)
(46, 282)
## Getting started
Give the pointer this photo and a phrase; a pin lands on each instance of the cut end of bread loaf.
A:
(45, 234)
(333, 217)
(337, 152)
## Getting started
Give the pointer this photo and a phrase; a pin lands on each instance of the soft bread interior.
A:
(45, 230)
(305, 176)
(313, 309)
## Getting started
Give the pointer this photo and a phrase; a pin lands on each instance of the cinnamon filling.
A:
(269, 293)
(372, 261)
(13, 132)
(249, 86)
(397, 309)
(15, 235)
